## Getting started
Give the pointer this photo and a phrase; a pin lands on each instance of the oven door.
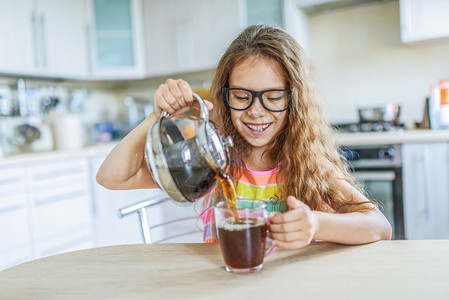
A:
(385, 187)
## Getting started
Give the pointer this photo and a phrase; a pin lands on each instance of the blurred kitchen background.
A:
(78, 75)
(96, 63)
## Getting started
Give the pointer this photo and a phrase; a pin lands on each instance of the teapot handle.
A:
(204, 112)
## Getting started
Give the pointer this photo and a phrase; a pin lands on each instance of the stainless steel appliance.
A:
(379, 169)
(378, 126)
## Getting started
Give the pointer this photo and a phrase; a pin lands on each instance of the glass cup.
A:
(243, 243)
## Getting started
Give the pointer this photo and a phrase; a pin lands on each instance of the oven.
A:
(379, 170)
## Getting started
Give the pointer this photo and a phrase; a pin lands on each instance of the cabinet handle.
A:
(10, 180)
(375, 175)
(43, 41)
(36, 49)
(58, 173)
(427, 180)
(88, 49)
(11, 208)
(61, 197)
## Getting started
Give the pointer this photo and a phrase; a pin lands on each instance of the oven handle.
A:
(375, 175)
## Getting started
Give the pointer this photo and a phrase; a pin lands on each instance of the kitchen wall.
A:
(359, 60)
(146, 88)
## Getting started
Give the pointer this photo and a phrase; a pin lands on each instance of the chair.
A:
(177, 224)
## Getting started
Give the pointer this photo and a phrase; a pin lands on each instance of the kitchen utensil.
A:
(68, 131)
(138, 110)
(385, 113)
(184, 154)
(6, 105)
(439, 105)
(24, 135)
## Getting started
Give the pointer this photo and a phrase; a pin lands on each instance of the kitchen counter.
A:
(381, 270)
(346, 139)
(35, 157)
(394, 137)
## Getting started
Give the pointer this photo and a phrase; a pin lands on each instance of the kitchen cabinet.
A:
(265, 12)
(424, 20)
(117, 41)
(45, 38)
(60, 199)
(45, 209)
(426, 190)
(189, 35)
(17, 32)
(54, 205)
(15, 241)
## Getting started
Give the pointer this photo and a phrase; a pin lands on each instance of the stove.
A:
(368, 126)
(379, 170)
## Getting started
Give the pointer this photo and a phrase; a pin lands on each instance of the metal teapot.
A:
(185, 154)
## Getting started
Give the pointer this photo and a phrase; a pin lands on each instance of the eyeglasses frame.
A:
(255, 94)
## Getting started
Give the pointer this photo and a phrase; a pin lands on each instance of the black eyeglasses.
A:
(275, 100)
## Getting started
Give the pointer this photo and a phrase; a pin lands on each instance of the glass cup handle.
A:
(270, 250)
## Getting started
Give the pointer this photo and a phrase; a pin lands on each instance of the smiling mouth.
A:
(258, 127)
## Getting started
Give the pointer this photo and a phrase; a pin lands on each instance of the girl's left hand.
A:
(295, 228)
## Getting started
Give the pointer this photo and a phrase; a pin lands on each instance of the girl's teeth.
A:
(258, 128)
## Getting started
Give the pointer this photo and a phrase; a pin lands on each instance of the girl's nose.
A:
(256, 109)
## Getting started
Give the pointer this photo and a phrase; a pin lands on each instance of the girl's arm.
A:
(300, 225)
(125, 167)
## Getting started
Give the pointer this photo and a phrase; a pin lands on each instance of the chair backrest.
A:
(163, 221)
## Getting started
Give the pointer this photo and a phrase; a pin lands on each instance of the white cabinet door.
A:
(62, 32)
(61, 201)
(44, 38)
(117, 39)
(18, 37)
(426, 190)
(215, 25)
(188, 35)
(15, 235)
(424, 20)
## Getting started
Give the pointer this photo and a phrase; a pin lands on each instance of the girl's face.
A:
(257, 125)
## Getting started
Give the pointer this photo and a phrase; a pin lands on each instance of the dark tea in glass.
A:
(242, 233)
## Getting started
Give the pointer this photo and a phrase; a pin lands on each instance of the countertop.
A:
(100, 149)
(393, 137)
(381, 270)
(344, 139)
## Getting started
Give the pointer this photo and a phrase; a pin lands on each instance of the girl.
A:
(284, 152)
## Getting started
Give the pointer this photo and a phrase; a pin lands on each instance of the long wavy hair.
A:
(306, 147)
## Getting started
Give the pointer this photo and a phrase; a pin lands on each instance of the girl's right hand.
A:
(175, 96)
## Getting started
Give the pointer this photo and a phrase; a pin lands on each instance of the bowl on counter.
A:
(384, 113)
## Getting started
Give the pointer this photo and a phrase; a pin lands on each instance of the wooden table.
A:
(382, 270)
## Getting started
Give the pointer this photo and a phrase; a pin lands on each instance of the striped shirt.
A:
(260, 185)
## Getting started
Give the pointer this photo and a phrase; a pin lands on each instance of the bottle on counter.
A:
(439, 105)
